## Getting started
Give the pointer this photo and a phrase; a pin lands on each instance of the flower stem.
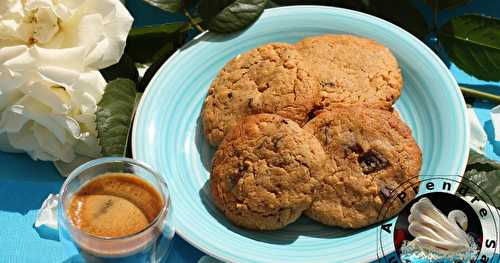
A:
(480, 95)
(434, 42)
(435, 9)
(192, 21)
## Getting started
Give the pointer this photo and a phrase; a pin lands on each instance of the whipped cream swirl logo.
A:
(451, 220)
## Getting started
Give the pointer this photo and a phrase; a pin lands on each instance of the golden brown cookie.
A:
(352, 70)
(265, 172)
(370, 153)
(267, 79)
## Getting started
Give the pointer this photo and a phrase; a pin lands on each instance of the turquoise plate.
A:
(168, 135)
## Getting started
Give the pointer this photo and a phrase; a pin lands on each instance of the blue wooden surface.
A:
(24, 184)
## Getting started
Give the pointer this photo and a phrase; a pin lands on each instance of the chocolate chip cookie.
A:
(372, 159)
(265, 172)
(352, 70)
(268, 79)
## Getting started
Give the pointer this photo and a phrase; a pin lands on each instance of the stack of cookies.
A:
(309, 128)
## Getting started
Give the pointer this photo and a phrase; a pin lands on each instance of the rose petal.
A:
(72, 5)
(69, 58)
(12, 30)
(21, 62)
(87, 91)
(495, 119)
(22, 59)
(46, 27)
(46, 24)
(8, 98)
(9, 80)
(90, 33)
(5, 144)
(13, 119)
(25, 141)
(35, 4)
(65, 10)
(87, 123)
(47, 215)
(41, 93)
(59, 76)
(478, 137)
(50, 144)
(8, 53)
(29, 108)
(88, 146)
(116, 23)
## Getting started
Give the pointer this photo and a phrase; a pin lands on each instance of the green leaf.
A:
(166, 5)
(158, 59)
(480, 162)
(125, 68)
(138, 97)
(489, 182)
(143, 43)
(484, 173)
(402, 13)
(114, 116)
(271, 4)
(473, 43)
(446, 4)
(226, 16)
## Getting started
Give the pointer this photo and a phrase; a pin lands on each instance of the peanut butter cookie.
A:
(372, 159)
(265, 172)
(352, 70)
(267, 79)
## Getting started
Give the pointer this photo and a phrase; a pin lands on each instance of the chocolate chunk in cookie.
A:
(370, 153)
(372, 161)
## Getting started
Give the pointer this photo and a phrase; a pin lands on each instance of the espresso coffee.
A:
(114, 205)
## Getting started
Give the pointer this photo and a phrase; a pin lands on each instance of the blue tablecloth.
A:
(24, 184)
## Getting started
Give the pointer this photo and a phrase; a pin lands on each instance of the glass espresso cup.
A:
(151, 244)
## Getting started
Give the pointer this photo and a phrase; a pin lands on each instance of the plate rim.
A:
(353, 14)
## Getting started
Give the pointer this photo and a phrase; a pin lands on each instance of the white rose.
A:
(100, 27)
(48, 103)
(50, 54)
